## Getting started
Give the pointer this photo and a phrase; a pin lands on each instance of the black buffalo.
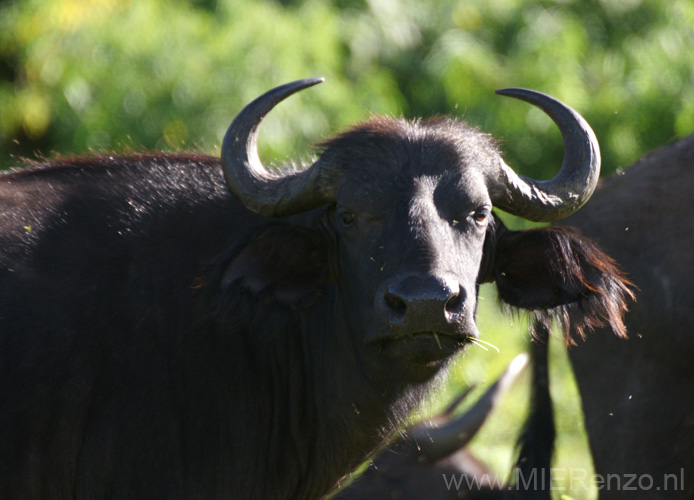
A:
(176, 326)
(637, 393)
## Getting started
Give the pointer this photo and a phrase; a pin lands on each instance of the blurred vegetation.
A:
(77, 75)
(95, 75)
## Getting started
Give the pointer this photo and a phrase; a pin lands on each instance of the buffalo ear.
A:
(539, 268)
(553, 267)
(280, 263)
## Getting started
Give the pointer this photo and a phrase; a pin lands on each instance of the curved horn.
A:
(260, 190)
(436, 443)
(448, 411)
(553, 199)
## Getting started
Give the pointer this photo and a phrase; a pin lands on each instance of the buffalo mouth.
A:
(424, 346)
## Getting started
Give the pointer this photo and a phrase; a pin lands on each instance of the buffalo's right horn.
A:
(264, 192)
(436, 443)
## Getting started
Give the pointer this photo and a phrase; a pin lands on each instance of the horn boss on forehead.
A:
(276, 195)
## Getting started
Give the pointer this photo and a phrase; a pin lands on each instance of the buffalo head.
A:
(406, 225)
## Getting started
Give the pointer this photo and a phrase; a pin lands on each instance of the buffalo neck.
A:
(320, 406)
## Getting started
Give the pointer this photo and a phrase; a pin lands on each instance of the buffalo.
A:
(637, 392)
(181, 326)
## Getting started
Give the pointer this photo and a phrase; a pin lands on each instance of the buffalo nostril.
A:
(454, 302)
(396, 306)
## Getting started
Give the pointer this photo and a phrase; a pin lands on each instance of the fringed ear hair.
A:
(564, 277)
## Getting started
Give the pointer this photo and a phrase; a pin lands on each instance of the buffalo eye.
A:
(480, 216)
(348, 218)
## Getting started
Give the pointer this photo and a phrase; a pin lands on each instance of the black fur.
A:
(637, 417)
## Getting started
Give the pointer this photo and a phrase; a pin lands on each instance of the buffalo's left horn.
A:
(264, 192)
(436, 443)
(556, 198)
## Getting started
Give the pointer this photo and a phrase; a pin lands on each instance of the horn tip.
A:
(283, 91)
(313, 81)
(523, 94)
(518, 365)
(506, 90)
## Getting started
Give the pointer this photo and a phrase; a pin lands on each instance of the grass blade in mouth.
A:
(438, 342)
(483, 344)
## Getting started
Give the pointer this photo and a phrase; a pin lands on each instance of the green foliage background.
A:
(102, 75)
